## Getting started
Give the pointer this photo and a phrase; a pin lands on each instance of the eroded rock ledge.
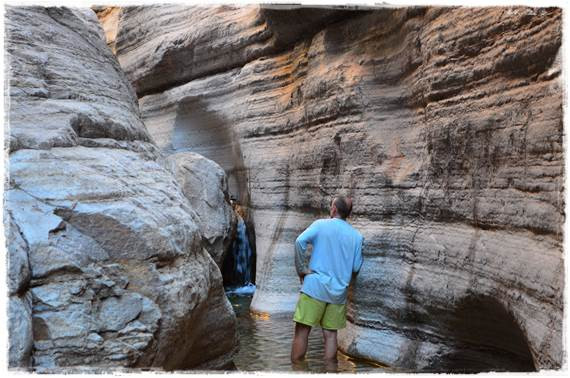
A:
(107, 264)
(443, 124)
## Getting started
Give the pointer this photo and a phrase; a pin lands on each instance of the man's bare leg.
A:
(330, 344)
(300, 341)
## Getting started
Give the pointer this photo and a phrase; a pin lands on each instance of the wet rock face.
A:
(107, 267)
(444, 125)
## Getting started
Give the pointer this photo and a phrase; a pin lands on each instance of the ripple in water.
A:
(265, 344)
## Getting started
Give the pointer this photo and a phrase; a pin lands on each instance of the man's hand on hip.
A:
(302, 275)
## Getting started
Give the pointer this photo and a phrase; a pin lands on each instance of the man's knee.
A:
(302, 328)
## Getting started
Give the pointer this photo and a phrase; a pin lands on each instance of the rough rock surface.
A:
(443, 124)
(107, 266)
(109, 19)
(205, 184)
(19, 301)
(239, 35)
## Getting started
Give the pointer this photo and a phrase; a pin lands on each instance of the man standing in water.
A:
(336, 256)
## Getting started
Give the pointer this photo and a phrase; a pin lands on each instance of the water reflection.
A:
(265, 345)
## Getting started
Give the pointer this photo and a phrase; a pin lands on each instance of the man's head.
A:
(341, 206)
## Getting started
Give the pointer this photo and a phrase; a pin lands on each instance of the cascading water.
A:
(243, 253)
(238, 266)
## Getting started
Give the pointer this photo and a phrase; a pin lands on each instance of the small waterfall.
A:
(238, 266)
(242, 253)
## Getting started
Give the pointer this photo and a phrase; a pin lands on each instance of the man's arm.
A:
(301, 263)
(306, 237)
(357, 264)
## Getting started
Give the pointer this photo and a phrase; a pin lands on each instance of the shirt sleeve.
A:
(306, 237)
(358, 257)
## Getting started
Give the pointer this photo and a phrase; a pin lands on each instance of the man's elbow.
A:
(356, 269)
(299, 244)
(353, 278)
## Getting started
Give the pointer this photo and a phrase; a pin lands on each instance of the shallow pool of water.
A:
(265, 345)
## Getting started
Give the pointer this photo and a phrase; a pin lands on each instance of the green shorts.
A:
(312, 312)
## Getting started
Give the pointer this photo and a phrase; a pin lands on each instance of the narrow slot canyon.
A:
(151, 220)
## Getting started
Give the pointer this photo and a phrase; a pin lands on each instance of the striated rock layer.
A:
(107, 267)
(443, 124)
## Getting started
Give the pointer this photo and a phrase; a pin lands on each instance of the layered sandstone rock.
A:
(443, 124)
(107, 266)
(184, 50)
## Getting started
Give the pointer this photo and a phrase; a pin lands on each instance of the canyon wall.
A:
(108, 260)
(443, 124)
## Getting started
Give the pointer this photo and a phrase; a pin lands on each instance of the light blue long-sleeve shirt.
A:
(337, 253)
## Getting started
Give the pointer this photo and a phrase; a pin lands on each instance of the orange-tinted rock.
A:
(109, 19)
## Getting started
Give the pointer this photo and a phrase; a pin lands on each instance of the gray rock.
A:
(19, 273)
(73, 321)
(56, 294)
(86, 97)
(116, 312)
(117, 267)
(205, 184)
(20, 331)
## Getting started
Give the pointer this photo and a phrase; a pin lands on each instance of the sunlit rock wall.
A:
(107, 266)
(443, 124)
(109, 19)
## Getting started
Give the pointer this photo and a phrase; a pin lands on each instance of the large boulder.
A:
(443, 124)
(107, 265)
(205, 184)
